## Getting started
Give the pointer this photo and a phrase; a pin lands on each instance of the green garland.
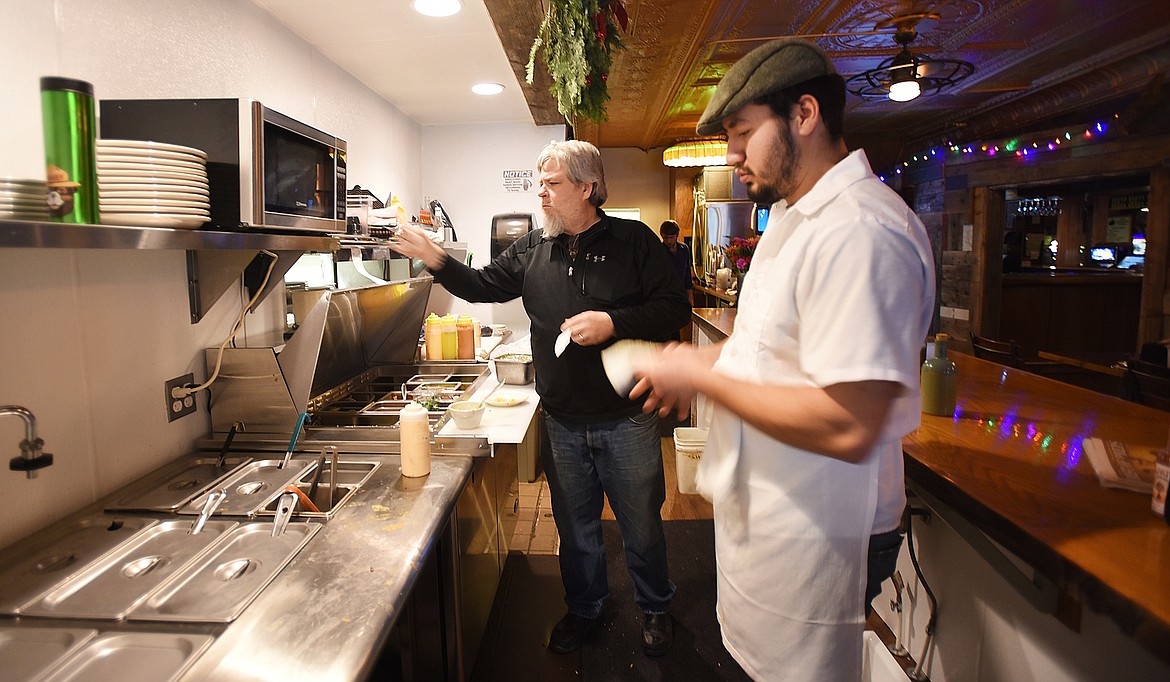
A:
(579, 37)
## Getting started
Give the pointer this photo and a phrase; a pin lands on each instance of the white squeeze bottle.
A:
(415, 438)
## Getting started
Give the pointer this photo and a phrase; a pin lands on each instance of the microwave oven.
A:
(264, 169)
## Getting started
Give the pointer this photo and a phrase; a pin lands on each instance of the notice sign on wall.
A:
(519, 180)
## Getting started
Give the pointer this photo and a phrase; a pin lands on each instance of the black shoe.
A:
(570, 631)
(657, 633)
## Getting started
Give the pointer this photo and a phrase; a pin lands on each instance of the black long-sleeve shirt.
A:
(621, 268)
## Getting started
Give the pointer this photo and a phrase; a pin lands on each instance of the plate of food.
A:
(506, 399)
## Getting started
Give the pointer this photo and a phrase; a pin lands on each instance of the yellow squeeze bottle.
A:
(450, 337)
(434, 336)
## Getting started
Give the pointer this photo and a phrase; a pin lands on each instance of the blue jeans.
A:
(883, 561)
(621, 459)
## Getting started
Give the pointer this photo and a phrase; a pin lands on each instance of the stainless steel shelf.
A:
(24, 234)
(214, 259)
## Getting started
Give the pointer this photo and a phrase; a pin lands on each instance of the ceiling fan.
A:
(907, 75)
(904, 76)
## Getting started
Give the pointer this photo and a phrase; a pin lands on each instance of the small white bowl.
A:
(467, 413)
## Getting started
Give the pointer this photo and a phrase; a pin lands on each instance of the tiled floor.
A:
(536, 531)
(536, 534)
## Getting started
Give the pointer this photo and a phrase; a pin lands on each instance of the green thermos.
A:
(70, 130)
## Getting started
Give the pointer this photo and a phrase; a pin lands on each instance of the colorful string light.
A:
(1014, 146)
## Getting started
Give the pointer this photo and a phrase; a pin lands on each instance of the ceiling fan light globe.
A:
(904, 91)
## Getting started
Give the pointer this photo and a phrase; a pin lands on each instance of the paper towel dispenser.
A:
(507, 228)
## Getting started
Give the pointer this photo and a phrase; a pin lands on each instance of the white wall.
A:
(463, 168)
(87, 337)
(987, 632)
(637, 179)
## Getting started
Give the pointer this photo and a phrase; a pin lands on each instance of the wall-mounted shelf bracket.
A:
(210, 273)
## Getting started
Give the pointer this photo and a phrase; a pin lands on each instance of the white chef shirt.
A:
(841, 289)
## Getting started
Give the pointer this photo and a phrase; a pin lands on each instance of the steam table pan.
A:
(173, 485)
(44, 559)
(113, 585)
(131, 657)
(29, 651)
(221, 583)
(252, 487)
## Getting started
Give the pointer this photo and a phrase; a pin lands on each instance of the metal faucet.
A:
(31, 455)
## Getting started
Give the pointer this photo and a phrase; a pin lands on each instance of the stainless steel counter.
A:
(330, 611)
(327, 615)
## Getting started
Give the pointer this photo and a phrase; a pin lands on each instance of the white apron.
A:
(791, 527)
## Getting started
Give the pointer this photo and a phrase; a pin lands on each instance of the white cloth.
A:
(841, 289)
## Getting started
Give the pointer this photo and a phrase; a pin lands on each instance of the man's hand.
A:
(413, 242)
(590, 327)
(672, 379)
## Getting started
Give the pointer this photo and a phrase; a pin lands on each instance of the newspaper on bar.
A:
(1123, 465)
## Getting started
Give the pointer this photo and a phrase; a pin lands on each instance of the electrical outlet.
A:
(180, 407)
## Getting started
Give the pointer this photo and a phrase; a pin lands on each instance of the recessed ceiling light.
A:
(437, 8)
(487, 88)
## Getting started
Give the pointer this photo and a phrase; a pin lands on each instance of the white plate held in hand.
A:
(622, 357)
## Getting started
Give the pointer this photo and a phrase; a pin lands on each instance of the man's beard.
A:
(553, 223)
(784, 149)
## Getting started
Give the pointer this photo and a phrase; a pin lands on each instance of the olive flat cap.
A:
(769, 68)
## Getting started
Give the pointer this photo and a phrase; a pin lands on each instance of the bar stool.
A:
(1149, 384)
(1004, 352)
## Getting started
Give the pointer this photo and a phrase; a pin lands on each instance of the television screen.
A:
(1130, 261)
(1139, 244)
(1103, 254)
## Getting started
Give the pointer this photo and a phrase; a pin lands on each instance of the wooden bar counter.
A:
(1011, 463)
(711, 296)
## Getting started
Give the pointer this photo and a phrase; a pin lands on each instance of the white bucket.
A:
(688, 449)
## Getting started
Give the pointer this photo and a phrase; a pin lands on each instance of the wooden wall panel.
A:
(1070, 230)
(987, 206)
(1071, 314)
(1155, 310)
(682, 207)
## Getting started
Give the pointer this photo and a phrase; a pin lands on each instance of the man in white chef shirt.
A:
(817, 383)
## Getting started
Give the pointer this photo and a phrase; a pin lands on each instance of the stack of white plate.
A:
(23, 199)
(152, 184)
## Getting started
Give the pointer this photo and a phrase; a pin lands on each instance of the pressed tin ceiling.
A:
(1038, 63)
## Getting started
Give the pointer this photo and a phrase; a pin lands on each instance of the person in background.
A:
(817, 383)
(681, 254)
(600, 279)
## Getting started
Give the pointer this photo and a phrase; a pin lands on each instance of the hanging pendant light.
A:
(696, 153)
